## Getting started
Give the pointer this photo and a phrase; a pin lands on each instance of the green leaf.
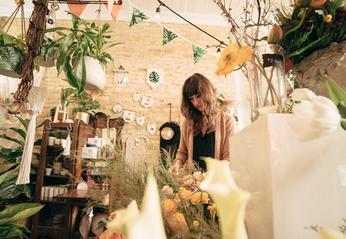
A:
(38, 142)
(342, 109)
(336, 93)
(4, 136)
(11, 58)
(24, 122)
(81, 73)
(21, 132)
(14, 231)
(19, 212)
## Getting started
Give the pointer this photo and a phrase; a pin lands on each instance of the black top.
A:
(203, 146)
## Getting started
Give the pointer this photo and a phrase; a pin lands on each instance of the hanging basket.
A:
(331, 61)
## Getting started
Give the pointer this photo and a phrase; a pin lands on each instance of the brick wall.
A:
(142, 48)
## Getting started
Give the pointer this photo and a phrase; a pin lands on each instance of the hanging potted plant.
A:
(12, 51)
(85, 42)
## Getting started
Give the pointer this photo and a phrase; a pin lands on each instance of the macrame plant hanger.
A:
(34, 40)
(26, 92)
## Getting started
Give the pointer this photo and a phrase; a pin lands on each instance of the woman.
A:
(206, 130)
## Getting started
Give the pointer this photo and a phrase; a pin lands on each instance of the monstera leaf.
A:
(154, 77)
(11, 59)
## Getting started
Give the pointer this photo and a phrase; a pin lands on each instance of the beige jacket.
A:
(225, 127)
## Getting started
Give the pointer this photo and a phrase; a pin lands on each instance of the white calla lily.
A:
(230, 200)
(123, 218)
(315, 118)
(328, 233)
(300, 94)
(149, 223)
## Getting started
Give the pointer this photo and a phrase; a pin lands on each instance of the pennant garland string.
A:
(200, 51)
(168, 36)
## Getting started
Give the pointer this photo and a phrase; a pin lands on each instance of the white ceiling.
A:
(204, 12)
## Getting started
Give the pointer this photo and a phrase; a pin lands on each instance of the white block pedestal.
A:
(294, 184)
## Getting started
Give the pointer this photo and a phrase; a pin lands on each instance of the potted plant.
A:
(84, 44)
(12, 51)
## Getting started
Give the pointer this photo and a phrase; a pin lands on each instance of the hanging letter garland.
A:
(137, 17)
(168, 36)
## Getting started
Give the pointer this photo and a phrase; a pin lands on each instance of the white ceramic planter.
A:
(95, 75)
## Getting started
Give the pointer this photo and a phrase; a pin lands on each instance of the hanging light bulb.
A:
(218, 51)
(158, 10)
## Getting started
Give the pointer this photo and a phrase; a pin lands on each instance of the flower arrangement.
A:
(311, 25)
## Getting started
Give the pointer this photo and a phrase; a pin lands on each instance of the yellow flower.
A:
(275, 34)
(169, 206)
(232, 56)
(317, 3)
(328, 18)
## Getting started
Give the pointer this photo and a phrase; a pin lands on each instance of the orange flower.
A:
(232, 56)
(317, 3)
(169, 206)
(177, 223)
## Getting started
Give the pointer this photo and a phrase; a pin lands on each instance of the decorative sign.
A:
(136, 96)
(151, 128)
(147, 101)
(154, 77)
(140, 120)
(117, 108)
(129, 116)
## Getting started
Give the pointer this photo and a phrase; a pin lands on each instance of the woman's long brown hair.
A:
(194, 85)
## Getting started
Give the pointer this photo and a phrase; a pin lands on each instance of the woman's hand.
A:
(174, 169)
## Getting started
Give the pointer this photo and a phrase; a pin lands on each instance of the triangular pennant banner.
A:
(168, 36)
(76, 8)
(137, 17)
(115, 11)
(197, 53)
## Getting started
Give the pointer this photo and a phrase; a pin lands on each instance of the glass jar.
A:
(266, 75)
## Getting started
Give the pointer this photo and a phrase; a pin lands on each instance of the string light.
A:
(158, 10)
